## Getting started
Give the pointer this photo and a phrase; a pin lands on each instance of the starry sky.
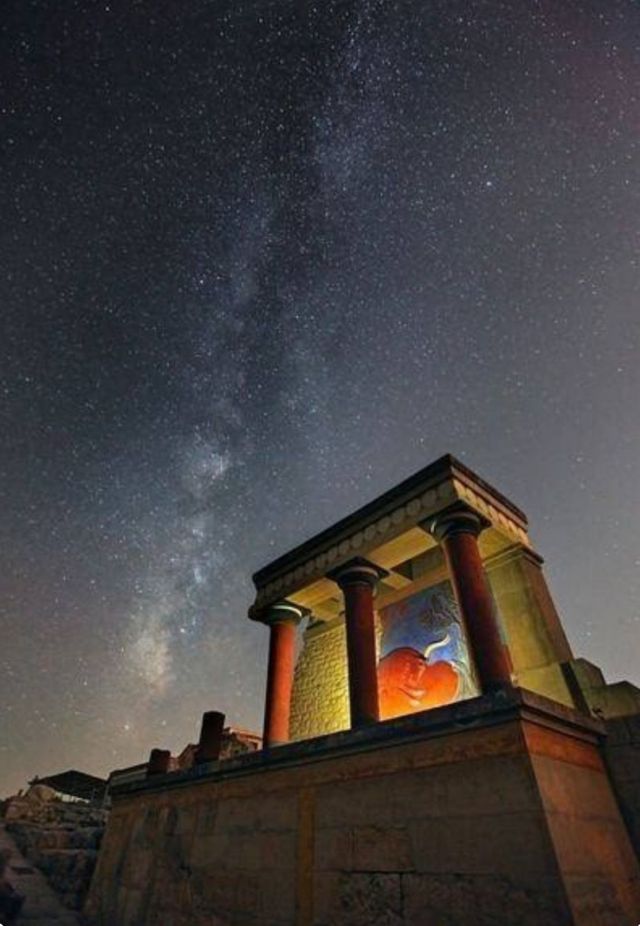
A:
(259, 261)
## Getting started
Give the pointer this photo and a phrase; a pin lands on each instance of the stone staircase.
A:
(42, 906)
(61, 840)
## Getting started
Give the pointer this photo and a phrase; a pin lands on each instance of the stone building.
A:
(435, 754)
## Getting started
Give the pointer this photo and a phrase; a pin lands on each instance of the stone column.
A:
(457, 530)
(159, 762)
(210, 741)
(357, 579)
(282, 619)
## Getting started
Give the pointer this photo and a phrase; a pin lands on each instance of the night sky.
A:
(260, 261)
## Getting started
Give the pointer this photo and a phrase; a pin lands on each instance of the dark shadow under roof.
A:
(75, 784)
(444, 465)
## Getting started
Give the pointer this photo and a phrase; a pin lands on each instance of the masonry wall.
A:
(537, 642)
(504, 822)
(622, 753)
(320, 700)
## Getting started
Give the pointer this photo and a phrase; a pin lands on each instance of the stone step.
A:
(42, 907)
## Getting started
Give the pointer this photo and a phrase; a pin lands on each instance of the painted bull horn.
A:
(438, 643)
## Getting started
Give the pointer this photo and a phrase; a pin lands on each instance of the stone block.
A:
(354, 803)
(247, 852)
(632, 722)
(277, 899)
(214, 891)
(571, 789)
(333, 849)
(497, 785)
(211, 850)
(378, 849)
(357, 899)
(278, 812)
(270, 851)
(594, 902)
(624, 762)
(473, 900)
(494, 785)
(587, 848)
(482, 844)
(180, 820)
(618, 732)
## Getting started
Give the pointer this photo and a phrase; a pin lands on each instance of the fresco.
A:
(424, 658)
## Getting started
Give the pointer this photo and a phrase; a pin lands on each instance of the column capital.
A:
(282, 612)
(458, 518)
(357, 571)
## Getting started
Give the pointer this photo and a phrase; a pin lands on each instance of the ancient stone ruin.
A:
(59, 823)
(59, 835)
(434, 756)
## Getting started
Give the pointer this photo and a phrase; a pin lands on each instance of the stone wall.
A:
(60, 838)
(622, 753)
(320, 699)
(496, 810)
(537, 642)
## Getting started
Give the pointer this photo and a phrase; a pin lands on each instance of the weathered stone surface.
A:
(454, 899)
(363, 848)
(60, 838)
(355, 899)
(42, 907)
(479, 823)
(483, 844)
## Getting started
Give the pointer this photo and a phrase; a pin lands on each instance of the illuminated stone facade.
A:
(393, 533)
(434, 755)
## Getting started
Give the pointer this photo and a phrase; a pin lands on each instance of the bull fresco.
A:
(424, 657)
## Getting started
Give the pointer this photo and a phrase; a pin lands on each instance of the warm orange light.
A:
(408, 683)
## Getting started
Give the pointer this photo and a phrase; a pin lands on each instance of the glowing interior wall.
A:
(417, 669)
(424, 656)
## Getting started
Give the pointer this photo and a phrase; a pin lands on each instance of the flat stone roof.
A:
(397, 512)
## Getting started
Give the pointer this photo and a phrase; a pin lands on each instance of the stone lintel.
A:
(383, 524)
(278, 611)
(512, 552)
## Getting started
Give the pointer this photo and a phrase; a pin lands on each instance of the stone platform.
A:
(493, 810)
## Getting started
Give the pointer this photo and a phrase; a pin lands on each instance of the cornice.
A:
(395, 512)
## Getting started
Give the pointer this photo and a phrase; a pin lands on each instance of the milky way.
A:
(259, 261)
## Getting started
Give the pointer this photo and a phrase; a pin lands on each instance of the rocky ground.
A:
(42, 906)
(58, 838)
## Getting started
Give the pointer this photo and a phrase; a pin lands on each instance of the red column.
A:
(457, 530)
(282, 619)
(358, 579)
